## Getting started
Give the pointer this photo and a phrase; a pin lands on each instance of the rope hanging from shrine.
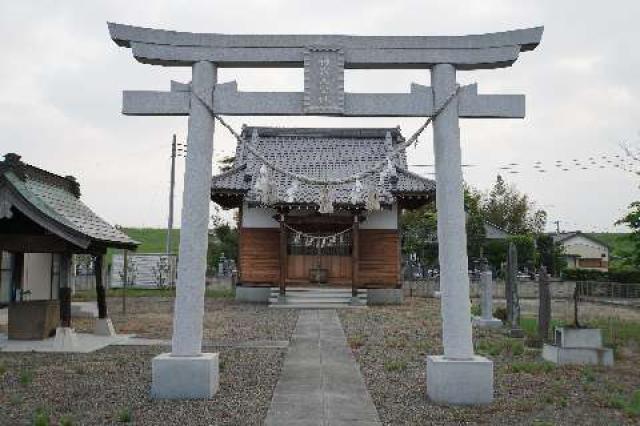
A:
(267, 191)
(318, 241)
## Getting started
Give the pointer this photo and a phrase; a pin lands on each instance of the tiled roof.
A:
(564, 236)
(322, 153)
(58, 199)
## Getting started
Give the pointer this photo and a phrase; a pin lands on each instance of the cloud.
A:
(61, 81)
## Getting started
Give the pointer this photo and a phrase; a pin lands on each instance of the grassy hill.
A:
(153, 240)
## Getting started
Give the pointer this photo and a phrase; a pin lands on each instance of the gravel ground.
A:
(94, 389)
(99, 388)
(390, 345)
(225, 320)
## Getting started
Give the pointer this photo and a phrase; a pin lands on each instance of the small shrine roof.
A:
(53, 202)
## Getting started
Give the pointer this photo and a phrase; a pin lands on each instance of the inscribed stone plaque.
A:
(323, 80)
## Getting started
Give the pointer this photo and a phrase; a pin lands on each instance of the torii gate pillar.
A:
(187, 372)
(458, 376)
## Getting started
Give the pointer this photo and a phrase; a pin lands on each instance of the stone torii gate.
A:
(458, 376)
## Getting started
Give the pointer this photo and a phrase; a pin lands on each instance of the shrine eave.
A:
(171, 48)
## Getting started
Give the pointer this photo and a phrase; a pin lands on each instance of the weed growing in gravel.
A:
(630, 406)
(395, 365)
(26, 377)
(124, 415)
(357, 341)
(423, 345)
(65, 421)
(476, 310)
(588, 375)
(531, 367)
(507, 347)
(3, 368)
(395, 342)
(40, 418)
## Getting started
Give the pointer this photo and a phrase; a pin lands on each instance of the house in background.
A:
(290, 243)
(582, 251)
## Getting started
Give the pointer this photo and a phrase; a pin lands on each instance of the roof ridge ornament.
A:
(5, 209)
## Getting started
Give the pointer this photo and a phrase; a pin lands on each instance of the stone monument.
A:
(458, 376)
(486, 319)
(544, 305)
(511, 293)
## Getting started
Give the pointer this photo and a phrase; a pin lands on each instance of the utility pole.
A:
(170, 224)
(557, 222)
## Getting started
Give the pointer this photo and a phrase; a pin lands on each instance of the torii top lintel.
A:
(324, 58)
(172, 48)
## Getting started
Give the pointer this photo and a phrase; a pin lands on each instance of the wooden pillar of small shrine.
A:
(355, 255)
(99, 271)
(65, 289)
(16, 278)
(283, 255)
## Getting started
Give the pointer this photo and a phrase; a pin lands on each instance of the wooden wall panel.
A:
(339, 267)
(260, 255)
(379, 258)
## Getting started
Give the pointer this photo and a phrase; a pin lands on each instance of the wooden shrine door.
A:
(319, 256)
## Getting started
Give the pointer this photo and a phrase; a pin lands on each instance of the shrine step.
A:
(316, 298)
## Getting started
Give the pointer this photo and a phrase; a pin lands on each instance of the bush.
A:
(500, 313)
(619, 276)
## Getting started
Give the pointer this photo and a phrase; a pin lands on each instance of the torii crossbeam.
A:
(458, 377)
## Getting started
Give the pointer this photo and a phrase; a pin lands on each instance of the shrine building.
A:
(289, 243)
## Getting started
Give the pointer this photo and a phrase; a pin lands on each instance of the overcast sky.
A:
(61, 81)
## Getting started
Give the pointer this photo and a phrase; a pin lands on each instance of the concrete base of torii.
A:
(460, 382)
(184, 377)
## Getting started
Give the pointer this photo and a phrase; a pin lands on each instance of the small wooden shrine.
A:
(355, 241)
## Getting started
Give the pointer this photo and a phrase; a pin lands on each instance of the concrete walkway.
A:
(320, 383)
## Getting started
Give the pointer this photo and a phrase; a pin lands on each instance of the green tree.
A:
(496, 251)
(476, 233)
(419, 233)
(631, 258)
(223, 239)
(507, 208)
(550, 255)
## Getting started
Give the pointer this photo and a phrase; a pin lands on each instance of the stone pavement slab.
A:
(320, 383)
(86, 343)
